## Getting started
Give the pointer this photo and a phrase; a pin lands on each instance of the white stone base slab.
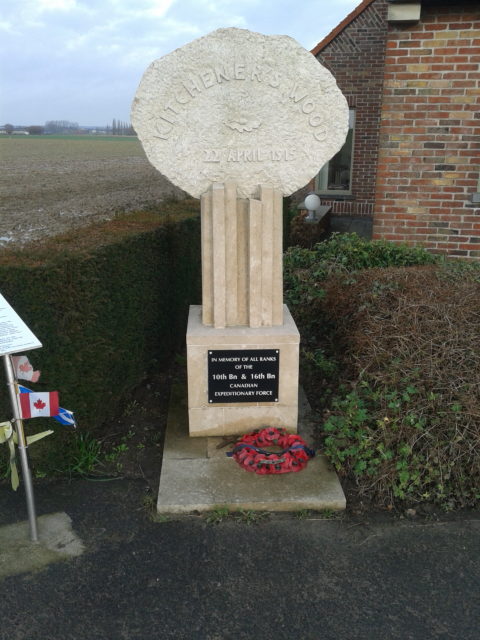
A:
(237, 418)
(198, 476)
(57, 541)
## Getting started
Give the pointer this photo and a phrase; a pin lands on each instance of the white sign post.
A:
(16, 337)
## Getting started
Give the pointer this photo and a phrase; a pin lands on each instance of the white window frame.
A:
(321, 179)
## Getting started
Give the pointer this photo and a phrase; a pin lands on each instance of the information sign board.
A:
(15, 336)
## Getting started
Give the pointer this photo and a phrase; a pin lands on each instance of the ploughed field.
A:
(52, 184)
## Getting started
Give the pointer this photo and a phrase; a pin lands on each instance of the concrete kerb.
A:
(57, 541)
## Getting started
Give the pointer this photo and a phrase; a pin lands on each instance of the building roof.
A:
(341, 26)
(356, 12)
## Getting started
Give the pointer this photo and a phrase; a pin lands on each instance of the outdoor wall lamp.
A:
(312, 205)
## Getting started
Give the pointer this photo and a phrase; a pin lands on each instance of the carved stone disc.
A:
(239, 106)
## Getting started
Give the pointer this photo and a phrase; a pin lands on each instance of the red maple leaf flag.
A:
(23, 369)
(39, 405)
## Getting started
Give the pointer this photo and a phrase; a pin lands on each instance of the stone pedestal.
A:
(210, 419)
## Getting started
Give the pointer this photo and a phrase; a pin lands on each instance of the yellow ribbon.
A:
(9, 436)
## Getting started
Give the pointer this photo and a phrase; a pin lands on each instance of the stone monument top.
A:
(242, 107)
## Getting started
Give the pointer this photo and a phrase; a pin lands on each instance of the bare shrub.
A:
(408, 424)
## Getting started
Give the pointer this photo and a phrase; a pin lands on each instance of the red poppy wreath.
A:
(250, 452)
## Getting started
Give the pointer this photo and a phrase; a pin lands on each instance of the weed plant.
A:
(249, 516)
(78, 456)
(217, 515)
(246, 516)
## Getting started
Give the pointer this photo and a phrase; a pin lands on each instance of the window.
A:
(335, 177)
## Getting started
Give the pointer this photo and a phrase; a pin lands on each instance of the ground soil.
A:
(132, 443)
(50, 186)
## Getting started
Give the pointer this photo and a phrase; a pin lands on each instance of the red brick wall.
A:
(430, 132)
(356, 58)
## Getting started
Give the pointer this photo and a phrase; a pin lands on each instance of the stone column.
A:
(241, 258)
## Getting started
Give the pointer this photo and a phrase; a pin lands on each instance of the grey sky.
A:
(82, 60)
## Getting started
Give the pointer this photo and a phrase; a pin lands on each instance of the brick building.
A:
(410, 71)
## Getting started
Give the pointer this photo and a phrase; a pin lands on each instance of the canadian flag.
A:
(39, 405)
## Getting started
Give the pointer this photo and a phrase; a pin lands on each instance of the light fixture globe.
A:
(312, 202)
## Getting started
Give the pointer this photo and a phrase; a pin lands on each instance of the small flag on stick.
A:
(64, 416)
(39, 405)
(24, 370)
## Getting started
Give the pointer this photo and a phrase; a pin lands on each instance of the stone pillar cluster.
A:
(241, 258)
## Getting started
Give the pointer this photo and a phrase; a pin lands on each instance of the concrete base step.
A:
(197, 476)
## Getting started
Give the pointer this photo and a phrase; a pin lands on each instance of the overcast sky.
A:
(82, 60)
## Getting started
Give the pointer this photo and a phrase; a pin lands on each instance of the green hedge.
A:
(109, 303)
(391, 361)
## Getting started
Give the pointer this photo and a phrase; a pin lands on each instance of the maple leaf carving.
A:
(39, 404)
(243, 124)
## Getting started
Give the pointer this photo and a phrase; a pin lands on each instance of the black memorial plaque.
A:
(249, 375)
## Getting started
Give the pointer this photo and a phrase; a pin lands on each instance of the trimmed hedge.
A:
(407, 426)
(306, 270)
(391, 358)
(109, 303)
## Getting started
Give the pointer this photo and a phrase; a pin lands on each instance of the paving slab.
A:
(197, 475)
(57, 541)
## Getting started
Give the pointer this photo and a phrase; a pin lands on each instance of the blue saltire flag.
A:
(64, 416)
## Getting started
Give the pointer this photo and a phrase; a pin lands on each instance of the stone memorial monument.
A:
(239, 120)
